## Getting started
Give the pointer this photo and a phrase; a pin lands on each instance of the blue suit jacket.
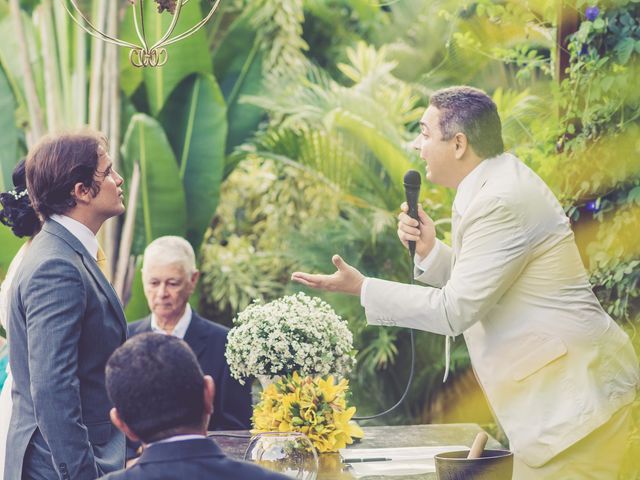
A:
(191, 459)
(64, 322)
(232, 405)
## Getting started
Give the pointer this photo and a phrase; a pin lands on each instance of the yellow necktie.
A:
(101, 260)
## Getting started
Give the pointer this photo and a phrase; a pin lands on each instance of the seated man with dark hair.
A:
(162, 398)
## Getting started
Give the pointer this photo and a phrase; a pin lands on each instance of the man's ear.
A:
(123, 427)
(209, 394)
(81, 194)
(194, 278)
(461, 144)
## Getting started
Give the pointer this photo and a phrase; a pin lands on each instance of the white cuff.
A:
(425, 263)
(363, 290)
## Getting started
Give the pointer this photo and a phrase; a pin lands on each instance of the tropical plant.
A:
(179, 123)
(345, 126)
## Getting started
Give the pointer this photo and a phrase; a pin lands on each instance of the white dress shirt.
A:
(177, 438)
(80, 231)
(181, 327)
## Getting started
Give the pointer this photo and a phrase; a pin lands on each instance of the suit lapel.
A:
(106, 287)
(196, 335)
(90, 264)
(457, 220)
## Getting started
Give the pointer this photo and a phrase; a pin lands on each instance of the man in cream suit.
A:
(65, 319)
(557, 371)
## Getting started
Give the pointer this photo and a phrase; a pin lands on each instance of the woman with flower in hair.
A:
(16, 213)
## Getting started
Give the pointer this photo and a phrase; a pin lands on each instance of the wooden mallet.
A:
(478, 445)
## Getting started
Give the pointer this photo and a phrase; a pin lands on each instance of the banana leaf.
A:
(194, 118)
(185, 57)
(161, 202)
(137, 306)
(238, 68)
(11, 61)
(8, 133)
(10, 246)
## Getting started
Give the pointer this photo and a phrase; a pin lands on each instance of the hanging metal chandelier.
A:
(142, 54)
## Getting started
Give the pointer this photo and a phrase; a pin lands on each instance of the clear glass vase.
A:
(289, 453)
(266, 380)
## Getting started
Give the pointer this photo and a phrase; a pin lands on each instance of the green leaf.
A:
(8, 133)
(130, 77)
(12, 63)
(194, 118)
(137, 307)
(238, 68)
(391, 157)
(607, 83)
(634, 195)
(185, 57)
(10, 246)
(161, 208)
(624, 49)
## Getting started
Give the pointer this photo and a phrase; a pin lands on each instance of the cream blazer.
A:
(553, 365)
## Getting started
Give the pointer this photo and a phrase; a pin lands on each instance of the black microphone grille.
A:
(412, 178)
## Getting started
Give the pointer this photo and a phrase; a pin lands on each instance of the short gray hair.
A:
(470, 111)
(169, 250)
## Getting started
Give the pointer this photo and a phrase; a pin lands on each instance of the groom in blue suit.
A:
(65, 319)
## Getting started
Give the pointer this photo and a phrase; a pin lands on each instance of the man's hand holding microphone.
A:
(422, 232)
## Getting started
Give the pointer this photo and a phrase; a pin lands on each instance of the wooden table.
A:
(331, 466)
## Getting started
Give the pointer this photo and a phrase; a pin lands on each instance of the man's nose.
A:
(119, 179)
(416, 143)
(162, 290)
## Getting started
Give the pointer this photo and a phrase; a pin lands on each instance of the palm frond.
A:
(517, 111)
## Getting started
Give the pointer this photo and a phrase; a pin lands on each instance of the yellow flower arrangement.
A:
(314, 406)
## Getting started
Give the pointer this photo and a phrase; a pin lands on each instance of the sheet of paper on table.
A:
(401, 461)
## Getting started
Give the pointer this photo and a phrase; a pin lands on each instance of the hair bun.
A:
(17, 211)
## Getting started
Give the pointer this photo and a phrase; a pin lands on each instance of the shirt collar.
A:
(177, 438)
(468, 187)
(80, 231)
(181, 327)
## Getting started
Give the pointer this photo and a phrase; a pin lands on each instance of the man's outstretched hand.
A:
(346, 279)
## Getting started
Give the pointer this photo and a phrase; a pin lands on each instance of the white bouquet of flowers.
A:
(293, 333)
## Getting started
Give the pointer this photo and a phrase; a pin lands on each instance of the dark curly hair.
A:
(57, 163)
(17, 211)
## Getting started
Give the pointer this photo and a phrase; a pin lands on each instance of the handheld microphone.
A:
(412, 191)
